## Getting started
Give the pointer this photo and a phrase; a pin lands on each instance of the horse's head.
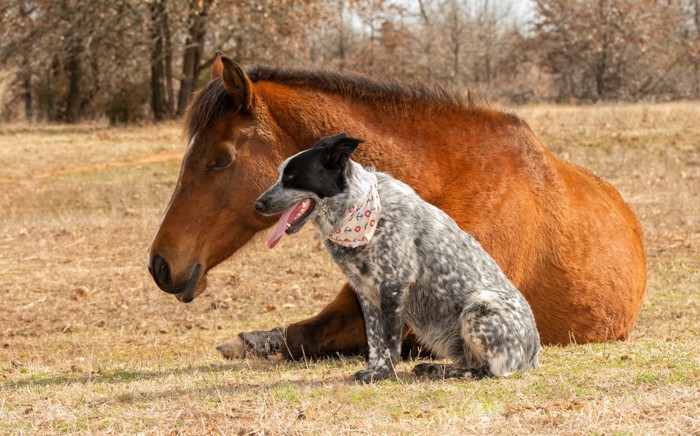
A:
(234, 150)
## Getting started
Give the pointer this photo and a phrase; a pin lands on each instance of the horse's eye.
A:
(220, 163)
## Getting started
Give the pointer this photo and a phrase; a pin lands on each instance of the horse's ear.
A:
(237, 84)
(218, 67)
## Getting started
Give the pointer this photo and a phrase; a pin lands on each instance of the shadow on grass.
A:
(261, 367)
(215, 390)
(134, 394)
(125, 376)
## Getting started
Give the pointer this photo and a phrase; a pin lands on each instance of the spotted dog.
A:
(408, 262)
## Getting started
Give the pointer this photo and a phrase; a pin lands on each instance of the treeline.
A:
(70, 60)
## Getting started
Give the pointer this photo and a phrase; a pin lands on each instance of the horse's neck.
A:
(391, 142)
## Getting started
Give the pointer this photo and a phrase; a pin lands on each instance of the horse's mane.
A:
(212, 101)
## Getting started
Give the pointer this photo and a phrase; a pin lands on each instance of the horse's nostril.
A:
(259, 206)
(161, 270)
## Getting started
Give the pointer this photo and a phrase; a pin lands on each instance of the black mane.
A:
(212, 101)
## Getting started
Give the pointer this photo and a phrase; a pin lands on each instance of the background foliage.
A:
(69, 60)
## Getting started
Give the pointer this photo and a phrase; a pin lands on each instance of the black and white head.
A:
(305, 179)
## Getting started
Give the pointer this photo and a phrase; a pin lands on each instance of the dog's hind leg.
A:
(490, 333)
(464, 365)
(443, 371)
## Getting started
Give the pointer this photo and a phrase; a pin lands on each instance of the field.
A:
(90, 345)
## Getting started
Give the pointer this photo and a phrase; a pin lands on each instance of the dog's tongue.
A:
(282, 225)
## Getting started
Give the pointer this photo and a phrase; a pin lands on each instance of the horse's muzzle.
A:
(188, 294)
(160, 271)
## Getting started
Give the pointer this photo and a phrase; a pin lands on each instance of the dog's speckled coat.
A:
(421, 269)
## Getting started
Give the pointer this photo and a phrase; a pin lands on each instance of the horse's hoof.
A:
(233, 349)
(263, 343)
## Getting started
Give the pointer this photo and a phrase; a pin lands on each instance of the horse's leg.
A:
(338, 329)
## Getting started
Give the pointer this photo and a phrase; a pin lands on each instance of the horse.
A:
(565, 237)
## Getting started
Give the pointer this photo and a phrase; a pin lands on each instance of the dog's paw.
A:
(429, 370)
(367, 376)
(262, 343)
(439, 371)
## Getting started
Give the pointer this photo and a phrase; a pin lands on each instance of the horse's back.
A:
(556, 230)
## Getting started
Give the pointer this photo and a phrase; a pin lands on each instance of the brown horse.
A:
(564, 237)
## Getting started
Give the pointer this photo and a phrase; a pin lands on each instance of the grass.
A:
(89, 345)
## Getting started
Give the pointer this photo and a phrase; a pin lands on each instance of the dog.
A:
(408, 262)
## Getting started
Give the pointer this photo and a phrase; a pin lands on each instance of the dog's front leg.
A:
(391, 298)
(384, 326)
(379, 361)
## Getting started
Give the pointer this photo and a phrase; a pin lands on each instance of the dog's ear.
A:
(328, 140)
(338, 149)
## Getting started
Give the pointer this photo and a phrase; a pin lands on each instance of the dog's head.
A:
(305, 179)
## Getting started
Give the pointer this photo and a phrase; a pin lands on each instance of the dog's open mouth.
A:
(292, 220)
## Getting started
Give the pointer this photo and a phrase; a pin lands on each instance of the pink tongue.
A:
(282, 225)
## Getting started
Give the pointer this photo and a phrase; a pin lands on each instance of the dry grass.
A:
(89, 345)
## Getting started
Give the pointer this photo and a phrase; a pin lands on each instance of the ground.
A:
(90, 345)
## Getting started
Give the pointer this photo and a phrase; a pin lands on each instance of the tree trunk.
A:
(26, 72)
(75, 75)
(157, 96)
(696, 61)
(168, 62)
(456, 36)
(341, 35)
(428, 47)
(88, 94)
(194, 45)
(27, 89)
(600, 71)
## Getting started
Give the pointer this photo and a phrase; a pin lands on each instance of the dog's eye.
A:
(289, 177)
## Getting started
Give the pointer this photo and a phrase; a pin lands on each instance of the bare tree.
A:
(70, 60)
(612, 49)
(198, 12)
(160, 99)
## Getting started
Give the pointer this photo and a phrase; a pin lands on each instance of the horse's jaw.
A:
(196, 284)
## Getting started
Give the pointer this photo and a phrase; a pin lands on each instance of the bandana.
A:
(358, 226)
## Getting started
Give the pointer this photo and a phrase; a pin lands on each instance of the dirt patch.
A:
(153, 158)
